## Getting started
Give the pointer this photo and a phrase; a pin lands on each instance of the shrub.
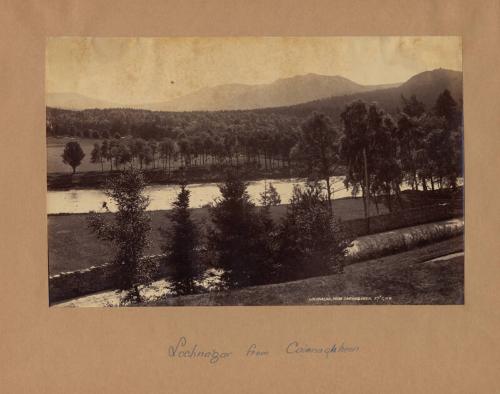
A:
(311, 241)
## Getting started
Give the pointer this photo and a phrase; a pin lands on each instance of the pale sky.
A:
(150, 70)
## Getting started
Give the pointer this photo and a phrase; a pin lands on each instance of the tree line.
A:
(269, 149)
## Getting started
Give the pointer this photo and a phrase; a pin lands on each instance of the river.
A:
(162, 196)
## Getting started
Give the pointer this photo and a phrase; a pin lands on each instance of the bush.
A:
(311, 241)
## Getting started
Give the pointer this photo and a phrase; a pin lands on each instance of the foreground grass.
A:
(72, 246)
(406, 278)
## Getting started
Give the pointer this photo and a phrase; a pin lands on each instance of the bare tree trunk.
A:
(398, 195)
(329, 192)
(367, 196)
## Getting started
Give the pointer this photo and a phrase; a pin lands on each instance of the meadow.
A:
(72, 246)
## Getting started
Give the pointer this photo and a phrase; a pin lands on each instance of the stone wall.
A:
(73, 284)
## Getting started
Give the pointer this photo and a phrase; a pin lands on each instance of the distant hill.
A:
(426, 86)
(75, 101)
(283, 92)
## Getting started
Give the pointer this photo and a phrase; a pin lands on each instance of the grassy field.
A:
(418, 276)
(55, 148)
(73, 246)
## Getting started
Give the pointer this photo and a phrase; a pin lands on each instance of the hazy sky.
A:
(149, 70)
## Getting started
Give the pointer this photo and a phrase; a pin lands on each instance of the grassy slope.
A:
(407, 278)
(72, 246)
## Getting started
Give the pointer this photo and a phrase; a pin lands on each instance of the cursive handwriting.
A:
(296, 348)
(182, 350)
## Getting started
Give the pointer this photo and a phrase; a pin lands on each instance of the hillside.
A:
(426, 86)
(283, 92)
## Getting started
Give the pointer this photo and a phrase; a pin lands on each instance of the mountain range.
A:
(283, 92)
(298, 92)
(426, 86)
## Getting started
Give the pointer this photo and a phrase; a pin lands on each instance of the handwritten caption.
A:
(183, 349)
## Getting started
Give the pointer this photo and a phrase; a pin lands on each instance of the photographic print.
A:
(224, 171)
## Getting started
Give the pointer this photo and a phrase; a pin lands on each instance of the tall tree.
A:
(138, 147)
(369, 149)
(153, 147)
(447, 107)
(128, 231)
(237, 237)
(96, 155)
(318, 148)
(442, 152)
(386, 170)
(73, 155)
(181, 241)
(167, 151)
(123, 155)
(411, 135)
(104, 148)
(412, 106)
(354, 146)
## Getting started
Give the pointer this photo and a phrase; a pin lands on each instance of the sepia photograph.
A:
(254, 171)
